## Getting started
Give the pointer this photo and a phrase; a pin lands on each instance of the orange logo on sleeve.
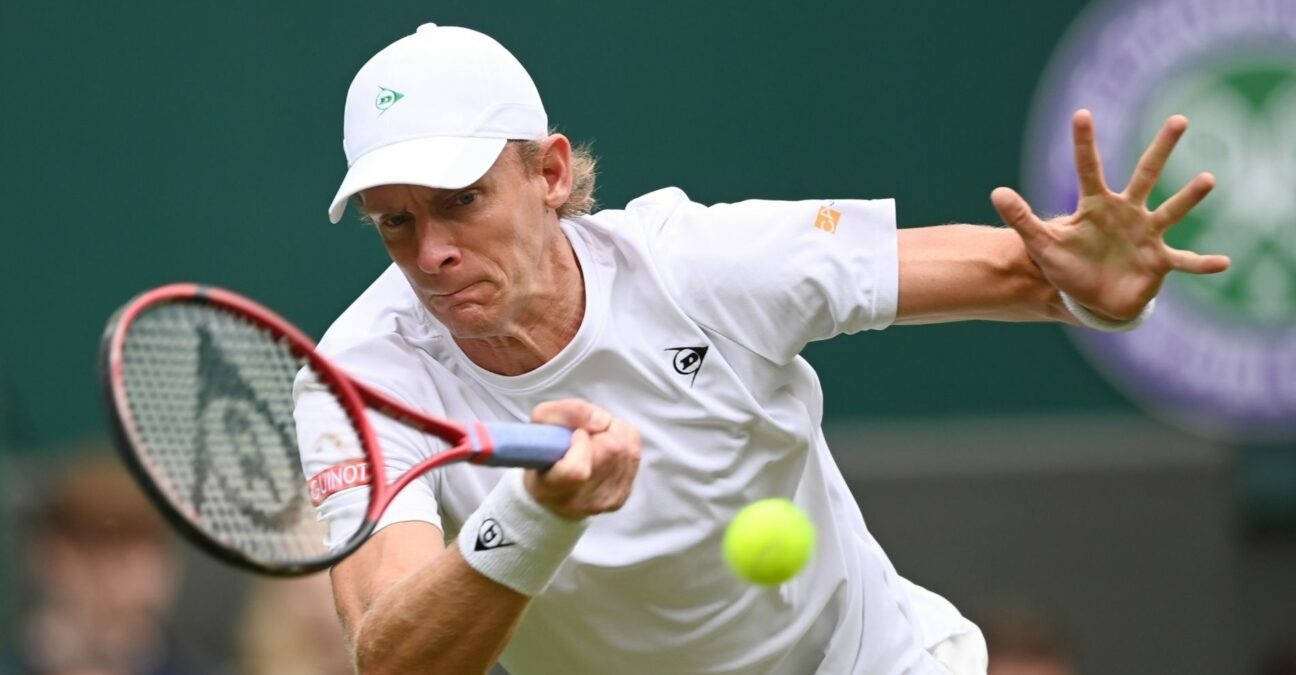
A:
(827, 219)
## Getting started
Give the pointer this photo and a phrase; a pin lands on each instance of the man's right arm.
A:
(412, 604)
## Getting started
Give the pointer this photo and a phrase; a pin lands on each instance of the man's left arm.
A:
(969, 272)
(1109, 256)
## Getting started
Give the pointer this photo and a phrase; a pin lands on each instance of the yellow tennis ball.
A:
(769, 541)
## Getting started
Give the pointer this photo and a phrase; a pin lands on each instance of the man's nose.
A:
(436, 253)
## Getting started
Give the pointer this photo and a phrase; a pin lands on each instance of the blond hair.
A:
(584, 170)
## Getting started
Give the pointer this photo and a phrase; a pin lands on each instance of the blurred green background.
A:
(149, 142)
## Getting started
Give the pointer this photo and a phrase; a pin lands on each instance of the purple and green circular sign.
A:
(1219, 354)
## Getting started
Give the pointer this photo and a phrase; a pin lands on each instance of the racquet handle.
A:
(534, 446)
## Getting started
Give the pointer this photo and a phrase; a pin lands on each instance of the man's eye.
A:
(465, 198)
(394, 222)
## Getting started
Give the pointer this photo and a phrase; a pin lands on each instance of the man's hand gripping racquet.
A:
(198, 382)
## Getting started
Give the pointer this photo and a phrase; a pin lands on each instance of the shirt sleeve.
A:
(775, 275)
(326, 439)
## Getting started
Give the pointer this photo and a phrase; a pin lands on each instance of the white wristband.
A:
(1096, 322)
(514, 540)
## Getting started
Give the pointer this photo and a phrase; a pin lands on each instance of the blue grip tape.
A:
(534, 446)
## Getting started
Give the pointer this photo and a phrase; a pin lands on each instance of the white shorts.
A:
(955, 642)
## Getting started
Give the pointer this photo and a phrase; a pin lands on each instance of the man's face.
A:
(472, 254)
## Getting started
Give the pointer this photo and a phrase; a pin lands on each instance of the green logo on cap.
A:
(386, 99)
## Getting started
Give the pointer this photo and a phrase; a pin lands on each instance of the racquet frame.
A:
(469, 442)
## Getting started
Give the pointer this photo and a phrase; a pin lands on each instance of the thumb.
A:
(573, 413)
(1014, 211)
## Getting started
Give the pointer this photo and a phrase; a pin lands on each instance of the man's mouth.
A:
(451, 295)
(442, 294)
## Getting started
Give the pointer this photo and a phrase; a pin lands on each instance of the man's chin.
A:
(468, 320)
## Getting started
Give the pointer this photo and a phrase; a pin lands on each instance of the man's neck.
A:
(547, 326)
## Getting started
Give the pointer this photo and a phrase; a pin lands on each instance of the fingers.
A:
(1176, 207)
(1088, 163)
(1148, 171)
(1195, 263)
(1014, 211)
(572, 413)
(598, 471)
(620, 448)
(575, 467)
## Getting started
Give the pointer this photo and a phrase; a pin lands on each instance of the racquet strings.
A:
(210, 393)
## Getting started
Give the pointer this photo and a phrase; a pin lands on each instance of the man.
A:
(666, 334)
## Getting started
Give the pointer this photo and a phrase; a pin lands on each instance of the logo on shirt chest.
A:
(688, 360)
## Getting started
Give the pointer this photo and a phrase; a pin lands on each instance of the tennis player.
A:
(667, 335)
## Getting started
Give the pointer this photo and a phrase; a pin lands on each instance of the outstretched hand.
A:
(1110, 255)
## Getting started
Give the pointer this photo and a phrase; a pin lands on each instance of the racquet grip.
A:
(533, 446)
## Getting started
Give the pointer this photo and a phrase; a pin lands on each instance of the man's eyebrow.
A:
(438, 194)
(373, 212)
(372, 216)
(448, 192)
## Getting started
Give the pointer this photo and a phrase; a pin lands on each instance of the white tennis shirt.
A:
(694, 317)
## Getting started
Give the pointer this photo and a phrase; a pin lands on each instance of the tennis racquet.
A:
(198, 383)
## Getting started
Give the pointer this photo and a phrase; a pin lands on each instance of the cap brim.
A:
(448, 162)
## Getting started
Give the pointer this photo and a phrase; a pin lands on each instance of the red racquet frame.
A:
(469, 441)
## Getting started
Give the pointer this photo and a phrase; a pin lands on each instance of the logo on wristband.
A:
(490, 535)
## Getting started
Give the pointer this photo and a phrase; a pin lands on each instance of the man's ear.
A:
(556, 166)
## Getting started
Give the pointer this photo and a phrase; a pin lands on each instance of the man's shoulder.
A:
(633, 230)
(387, 308)
(382, 339)
(641, 214)
(658, 203)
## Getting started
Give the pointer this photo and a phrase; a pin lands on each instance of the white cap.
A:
(435, 108)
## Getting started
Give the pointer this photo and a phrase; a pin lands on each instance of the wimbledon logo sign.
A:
(1219, 354)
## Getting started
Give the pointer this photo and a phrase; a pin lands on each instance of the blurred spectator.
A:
(290, 627)
(1023, 641)
(104, 575)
